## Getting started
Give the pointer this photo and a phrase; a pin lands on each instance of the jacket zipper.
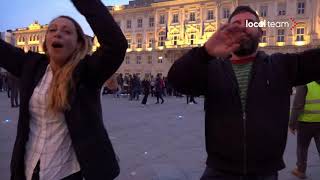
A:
(245, 169)
(244, 117)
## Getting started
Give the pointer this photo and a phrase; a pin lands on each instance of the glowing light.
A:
(117, 8)
(263, 44)
(160, 48)
(149, 49)
(300, 43)
(280, 43)
(34, 26)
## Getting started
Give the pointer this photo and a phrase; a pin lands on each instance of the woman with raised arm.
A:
(60, 132)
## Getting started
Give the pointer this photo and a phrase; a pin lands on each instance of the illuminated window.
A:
(139, 45)
(210, 15)
(138, 60)
(139, 21)
(149, 59)
(129, 43)
(162, 19)
(300, 34)
(192, 39)
(281, 9)
(151, 22)
(280, 37)
(175, 40)
(263, 11)
(150, 44)
(175, 18)
(300, 7)
(160, 60)
(128, 24)
(192, 16)
(127, 60)
(226, 13)
(162, 38)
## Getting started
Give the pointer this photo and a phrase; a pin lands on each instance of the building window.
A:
(192, 16)
(129, 43)
(300, 34)
(127, 60)
(139, 21)
(280, 37)
(162, 38)
(150, 44)
(264, 36)
(263, 11)
(300, 7)
(149, 59)
(139, 41)
(192, 39)
(128, 24)
(162, 19)
(151, 22)
(281, 9)
(175, 40)
(175, 18)
(226, 13)
(138, 60)
(210, 15)
(160, 60)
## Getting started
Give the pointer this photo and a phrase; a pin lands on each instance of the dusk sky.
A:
(21, 13)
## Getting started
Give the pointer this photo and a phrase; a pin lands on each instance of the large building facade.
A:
(31, 38)
(160, 31)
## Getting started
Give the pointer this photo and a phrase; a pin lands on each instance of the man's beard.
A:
(247, 46)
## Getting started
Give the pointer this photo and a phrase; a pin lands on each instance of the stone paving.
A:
(153, 142)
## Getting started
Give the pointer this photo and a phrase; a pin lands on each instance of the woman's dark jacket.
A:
(84, 120)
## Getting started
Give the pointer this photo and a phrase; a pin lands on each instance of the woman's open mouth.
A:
(57, 45)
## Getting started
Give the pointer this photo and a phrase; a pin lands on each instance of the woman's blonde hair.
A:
(62, 81)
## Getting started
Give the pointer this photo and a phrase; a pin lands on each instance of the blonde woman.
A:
(60, 131)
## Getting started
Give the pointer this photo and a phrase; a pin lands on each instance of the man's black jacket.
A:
(250, 142)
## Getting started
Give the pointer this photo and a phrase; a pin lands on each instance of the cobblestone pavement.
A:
(153, 142)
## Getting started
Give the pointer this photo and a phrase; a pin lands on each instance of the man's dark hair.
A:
(242, 9)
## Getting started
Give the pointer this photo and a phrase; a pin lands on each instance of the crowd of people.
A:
(132, 86)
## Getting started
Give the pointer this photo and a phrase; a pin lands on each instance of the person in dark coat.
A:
(159, 85)
(247, 95)
(60, 132)
(13, 84)
(146, 89)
